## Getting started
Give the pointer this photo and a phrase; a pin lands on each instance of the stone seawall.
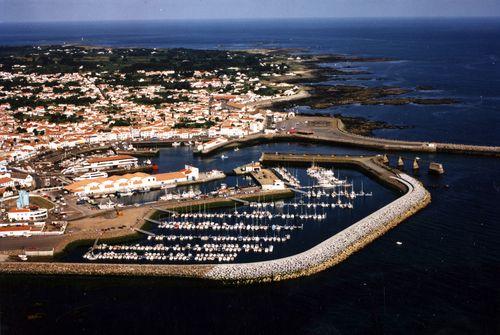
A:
(336, 134)
(334, 249)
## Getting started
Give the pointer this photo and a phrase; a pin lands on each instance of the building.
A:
(131, 182)
(27, 214)
(15, 231)
(6, 182)
(22, 179)
(20, 230)
(103, 163)
(212, 144)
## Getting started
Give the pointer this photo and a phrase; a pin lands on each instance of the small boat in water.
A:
(223, 157)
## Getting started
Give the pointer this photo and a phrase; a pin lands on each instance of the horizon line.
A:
(257, 19)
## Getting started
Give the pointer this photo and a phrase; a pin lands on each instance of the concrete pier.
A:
(372, 165)
(139, 153)
(331, 130)
(436, 168)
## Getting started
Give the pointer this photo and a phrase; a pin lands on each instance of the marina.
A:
(248, 230)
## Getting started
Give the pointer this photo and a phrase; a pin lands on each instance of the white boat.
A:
(168, 196)
(125, 193)
(223, 157)
(236, 149)
(92, 175)
(176, 144)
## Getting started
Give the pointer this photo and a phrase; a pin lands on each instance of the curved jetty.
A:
(336, 248)
(318, 258)
(330, 130)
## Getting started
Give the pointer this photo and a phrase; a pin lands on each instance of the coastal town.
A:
(81, 141)
(70, 116)
(46, 109)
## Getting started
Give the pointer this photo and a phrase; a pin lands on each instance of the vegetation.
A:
(68, 59)
(32, 101)
(187, 123)
(121, 123)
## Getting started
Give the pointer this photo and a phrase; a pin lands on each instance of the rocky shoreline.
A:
(323, 96)
(361, 125)
(313, 72)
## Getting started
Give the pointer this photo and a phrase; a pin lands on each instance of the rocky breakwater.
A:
(333, 250)
(105, 269)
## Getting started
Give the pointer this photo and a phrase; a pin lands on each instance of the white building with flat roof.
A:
(27, 214)
(103, 163)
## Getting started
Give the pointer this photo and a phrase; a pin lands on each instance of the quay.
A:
(331, 130)
(167, 143)
(139, 153)
(248, 195)
(371, 165)
(144, 232)
(326, 254)
(141, 168)
(204, 177)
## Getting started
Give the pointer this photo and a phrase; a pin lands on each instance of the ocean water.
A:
(443, 279)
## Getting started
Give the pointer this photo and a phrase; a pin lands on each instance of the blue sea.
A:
(443, 279)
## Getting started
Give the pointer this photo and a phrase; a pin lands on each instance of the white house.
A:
(6, 182)
(32, 213)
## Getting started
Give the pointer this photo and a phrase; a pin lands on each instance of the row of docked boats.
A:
(289, 178)
(342, 192)
(188, 252)
(191, 194)
(219, 238)
(224, 226)
(325, 177)
(258, 215)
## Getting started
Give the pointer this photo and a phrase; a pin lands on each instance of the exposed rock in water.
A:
(362, 126)
(424, 88)
(323, 96)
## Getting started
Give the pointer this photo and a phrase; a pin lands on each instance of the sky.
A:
(99, 10)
